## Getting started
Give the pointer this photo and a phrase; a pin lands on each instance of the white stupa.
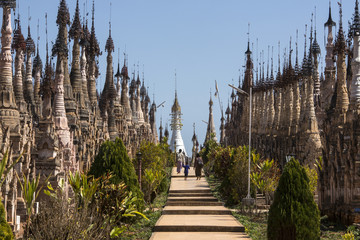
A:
(176, 142)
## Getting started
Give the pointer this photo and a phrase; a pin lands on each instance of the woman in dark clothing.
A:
(198, 166)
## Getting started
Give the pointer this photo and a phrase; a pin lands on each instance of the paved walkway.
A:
(191, 212)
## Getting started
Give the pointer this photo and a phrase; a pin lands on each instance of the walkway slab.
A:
(198, 223)
(196, 210)
(189, 185)
(187, 199)
(196, 194)
(199, 236)
(194, 203)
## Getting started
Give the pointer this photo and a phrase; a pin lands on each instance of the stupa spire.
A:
(36, 72)
(108, 93)
(93, 53)
(19, 45)
(60, 50)
(76, 33)
(176, 142)
(248, 79)
(125, 101)
(10, 117)
(47, 84)
(342, 99)
(210, 132)
(118, 76)
(355, 65)
(30, 51)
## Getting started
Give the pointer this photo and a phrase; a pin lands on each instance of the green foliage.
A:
(113, 158)
(222, 160)
(4, 169)
(210, 145)
(319, 163)
(152, 180)
(354, 230)
(31, 191)
(84, 187)
(294, 213)
(348, 236)
(265, 176)
(155, 158)
(99, 209)
(5, 229)
(255, 225)
(313, 178)
(230, 165)
(235, 183)
(142, 229)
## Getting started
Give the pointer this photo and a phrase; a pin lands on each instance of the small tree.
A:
(294, 213)
(113, 159)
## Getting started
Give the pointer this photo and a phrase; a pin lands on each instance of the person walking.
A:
(179, 161)
(186, 169)
(199, 164)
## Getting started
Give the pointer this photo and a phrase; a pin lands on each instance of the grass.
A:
(331, 230)
(142, 229)
(256, 223)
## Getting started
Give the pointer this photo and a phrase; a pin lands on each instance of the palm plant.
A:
(4, 169)
(31, 191)
(83, 187)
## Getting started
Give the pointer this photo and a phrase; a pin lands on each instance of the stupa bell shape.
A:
(176, 142)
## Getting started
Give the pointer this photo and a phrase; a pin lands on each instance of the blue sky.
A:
(203, 40)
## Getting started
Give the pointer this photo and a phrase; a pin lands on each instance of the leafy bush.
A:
(313, 178)
(155, 158)
(230, 166)
(5, 229)
(113, 159)
(235, 183)
(348, 236)
(265, 176)
(210, 146)
(294, 213)
(99, 209)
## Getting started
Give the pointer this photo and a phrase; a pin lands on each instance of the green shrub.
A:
(230, 166)
(210, 145)
(265, 176)
(348, 236)
(294, 213)
(313, 177)
(235, 183)
(113, 158)
(5, 230)
(155, 159)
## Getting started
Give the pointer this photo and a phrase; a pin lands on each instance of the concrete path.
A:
(191, 212)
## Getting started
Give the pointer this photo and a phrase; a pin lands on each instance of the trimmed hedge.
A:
(294, 213)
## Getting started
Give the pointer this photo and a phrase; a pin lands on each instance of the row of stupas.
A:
(54, 115)
(299, 112)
